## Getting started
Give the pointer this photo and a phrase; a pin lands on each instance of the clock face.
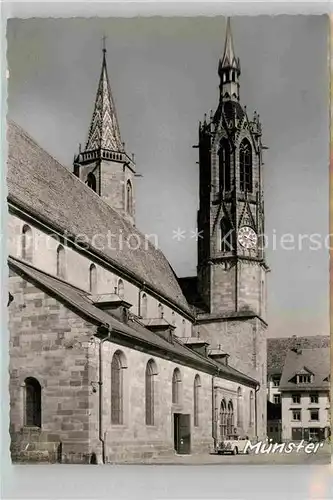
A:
(247, 237)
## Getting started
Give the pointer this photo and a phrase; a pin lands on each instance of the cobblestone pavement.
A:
(322, 457)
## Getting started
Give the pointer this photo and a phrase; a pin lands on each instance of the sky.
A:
(163, 74)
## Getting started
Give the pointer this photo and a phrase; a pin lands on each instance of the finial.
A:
(133, 157)
(205, 117)
(211, 115)
(104, 44)
(80, 148)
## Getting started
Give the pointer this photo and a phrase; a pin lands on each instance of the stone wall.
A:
(48, 342)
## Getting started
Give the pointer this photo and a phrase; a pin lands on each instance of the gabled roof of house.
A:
(47, 190)
(132, 332)
(315, 361)
(277, 349)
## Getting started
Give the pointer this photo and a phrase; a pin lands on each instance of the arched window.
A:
(196, 390)
(223, 420)
(33, 403)
(176, 386)
(160, 311)
(251, 409)
(61, 262)
(239, 407)
(230, 419)
(245, 166)
(117, 388)
(224, 166)
(92, 278)
(150, 391)
(227, 235)
(144, 301)
(91, 181)
(121, 289)
(129, 198)
(27, 245)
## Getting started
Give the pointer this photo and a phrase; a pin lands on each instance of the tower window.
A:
(27, 243)
(227, 234)
(233, 76)
(129, 198)
(224, 166)
(33, 398)
(245, 165)
(61, 262)
(91, 181)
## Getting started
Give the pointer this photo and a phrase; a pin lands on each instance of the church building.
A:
(113, 358)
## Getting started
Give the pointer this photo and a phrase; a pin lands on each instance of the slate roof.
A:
(277, 349)
(132, 331)
(44, 188)
(315, 361)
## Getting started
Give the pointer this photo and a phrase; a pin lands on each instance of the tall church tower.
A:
(231, 259)
(103, 164)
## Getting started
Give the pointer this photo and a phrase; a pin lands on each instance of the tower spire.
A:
(229, 60)
(104, 132)
(229, 68)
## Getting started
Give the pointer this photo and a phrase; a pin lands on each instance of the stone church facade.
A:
(112, 357)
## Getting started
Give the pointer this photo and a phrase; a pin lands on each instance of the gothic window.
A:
(26, 243)
(227, 233)
(150, 391)
(196, 390)
(245, 165)
(176, 386)
(129, 198)
(230, 419)
(224, 166)
(251, 409)
(117, 396)
(92, 278)
(61, 262)
(239, 407)
(233, 76)
(160, 311)
(144, 306)
(223, 420)
(121, 289)
(91, 181)
(33, 399)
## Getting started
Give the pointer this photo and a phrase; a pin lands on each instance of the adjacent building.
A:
(298, 388)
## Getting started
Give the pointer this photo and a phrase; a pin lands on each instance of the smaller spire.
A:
(229, 60)
(104, 128)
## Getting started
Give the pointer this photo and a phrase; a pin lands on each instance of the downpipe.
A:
(101, 434)
(256, 411)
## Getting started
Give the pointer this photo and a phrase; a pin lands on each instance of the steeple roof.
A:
(229, 60)
(104, 130)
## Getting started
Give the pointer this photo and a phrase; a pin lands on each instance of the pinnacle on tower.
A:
(104, 130)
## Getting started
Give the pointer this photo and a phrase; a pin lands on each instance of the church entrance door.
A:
(182, 433)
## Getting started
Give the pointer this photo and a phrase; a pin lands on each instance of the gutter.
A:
(101, 433)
